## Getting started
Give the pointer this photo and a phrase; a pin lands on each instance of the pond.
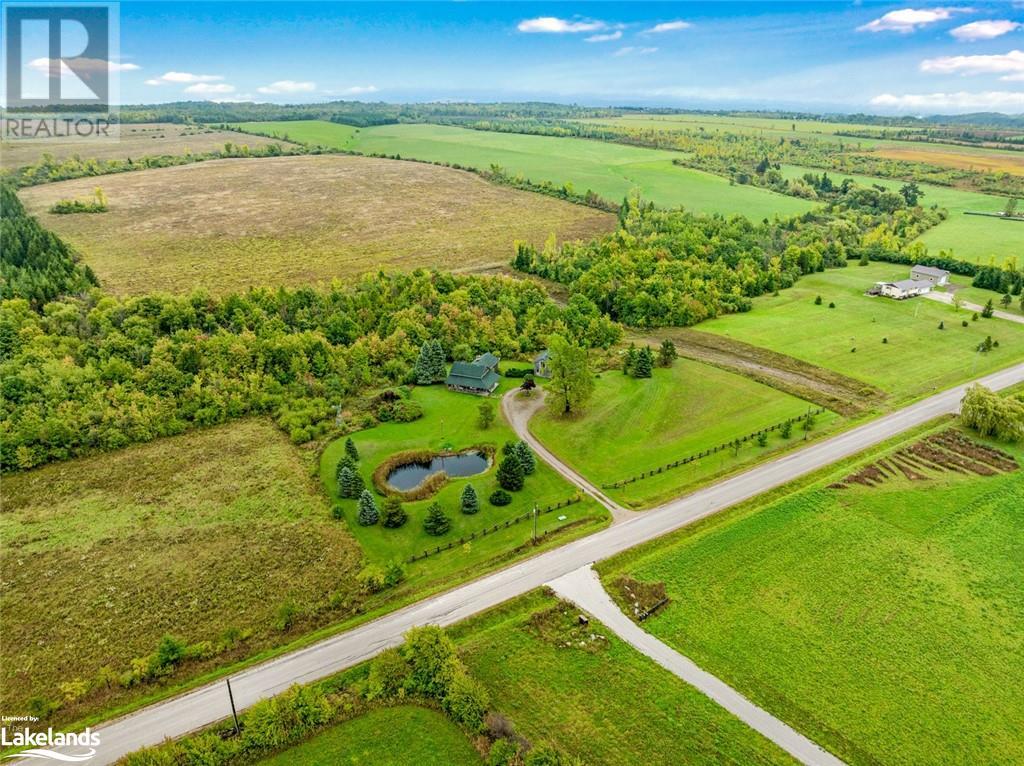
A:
(411, 475)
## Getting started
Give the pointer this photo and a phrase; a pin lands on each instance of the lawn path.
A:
(947, 298)
(518, 411)
(583, 588)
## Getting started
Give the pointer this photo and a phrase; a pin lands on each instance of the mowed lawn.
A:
(972, 238)
(225, 225)
(450, 422)
(633, 425)
(399, 736)
(602, 702)
(919, 358)
(191, 535)
(610, 170)
(885, 622)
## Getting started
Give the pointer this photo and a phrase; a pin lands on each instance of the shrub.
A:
(393, 515)
(503, 752)
(466, 701)
(436, 523)
(500, 497)
(543, 755)
(432, 661)
(817, 301)
(368, 515)
(286, 615)
(371, 578)
(831, 305)
(337, 512)
(394, 574)
(389, 674)
(762, 439)
(787, 429)
(470, 502)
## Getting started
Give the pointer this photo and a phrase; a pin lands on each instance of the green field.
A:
(634, 425)
(610, 170)
(602, 702)
(450, 420)
(977, 239)
(192, 535)
(919, 359)
(397, 736)
(885, 622)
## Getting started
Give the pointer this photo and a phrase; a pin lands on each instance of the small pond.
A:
(411, 475)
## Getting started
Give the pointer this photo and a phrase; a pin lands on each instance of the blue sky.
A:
(850, 56)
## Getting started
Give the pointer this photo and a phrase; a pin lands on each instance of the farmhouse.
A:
(938, 277)
(905, 288)
(540, 364)
(477, 377)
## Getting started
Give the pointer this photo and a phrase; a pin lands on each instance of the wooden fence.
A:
(711, 451)
(494, 528)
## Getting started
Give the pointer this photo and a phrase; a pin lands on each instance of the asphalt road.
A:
(947, 298)
(208, 704)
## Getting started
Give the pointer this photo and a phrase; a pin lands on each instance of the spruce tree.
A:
(392, 513)
(526, 458)
(510, 472)
(423, 370)
(438, 363)
(350, 483)
(630, 361)
(350, 450)
(436, 523)
(470, 502)
(644, 365)
(367, 509)
(667, 353)
(345, 462)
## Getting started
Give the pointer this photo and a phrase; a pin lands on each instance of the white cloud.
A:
(288, 86)
(999, 100)
(630, 50)
(357, 90)
(83, 65)
(153, 82)
(984, 30)
(604, 38)
(207, 89)
(669, 26)
(189, 77)
(907, 20)
(553, 25)
(1011, 65)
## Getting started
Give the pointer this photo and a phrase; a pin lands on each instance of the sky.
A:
(915, 58)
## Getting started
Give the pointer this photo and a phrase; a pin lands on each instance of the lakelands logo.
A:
(41, 744)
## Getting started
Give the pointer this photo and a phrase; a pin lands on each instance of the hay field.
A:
(227, 224)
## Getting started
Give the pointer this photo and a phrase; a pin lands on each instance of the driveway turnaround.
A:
(208, 704)
(583, 588)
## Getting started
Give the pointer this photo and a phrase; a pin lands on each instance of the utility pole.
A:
(234, 713)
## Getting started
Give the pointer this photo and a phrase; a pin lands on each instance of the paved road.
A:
(209, 703)
(948, 299)
(583, 588)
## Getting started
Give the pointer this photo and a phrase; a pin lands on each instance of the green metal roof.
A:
(474, 376)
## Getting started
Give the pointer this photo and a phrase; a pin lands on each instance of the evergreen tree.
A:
(989, 310)
(368, 514)
(423, 370)
(392, 513)
(667, 353)
(644, 366)
(436, 523)
(438, 363)
(511, 475)
(345, 462)
(526, 458)
(470, 502)
(351, 451)
(350, 483)
(629, 363)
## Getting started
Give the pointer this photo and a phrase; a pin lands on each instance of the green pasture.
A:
(886, 623)
(610, 170)
(918, 359)
(633, 425)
